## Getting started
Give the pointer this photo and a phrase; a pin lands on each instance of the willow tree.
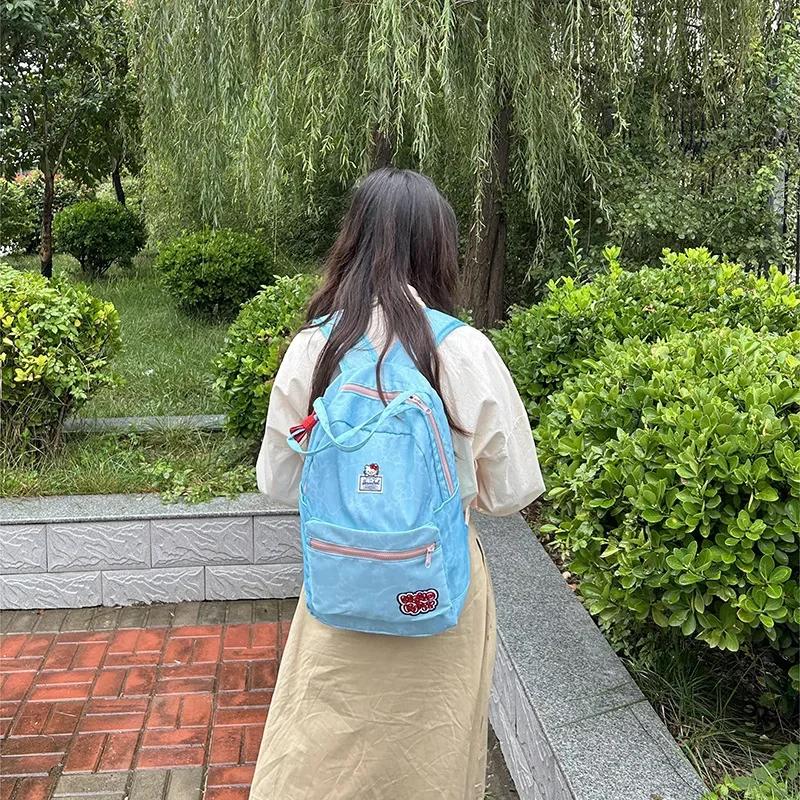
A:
(245, 102)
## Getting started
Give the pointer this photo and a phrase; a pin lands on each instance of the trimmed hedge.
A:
(56, 341)
(214, 272)
(674, 471)
(546, 344)
(98, 233)
(254, 348)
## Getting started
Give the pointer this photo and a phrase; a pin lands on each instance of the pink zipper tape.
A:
(375, 555)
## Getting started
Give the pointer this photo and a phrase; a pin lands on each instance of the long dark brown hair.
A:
(399, 231)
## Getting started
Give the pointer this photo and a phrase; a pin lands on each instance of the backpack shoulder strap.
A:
(362, 354)
(441, 325)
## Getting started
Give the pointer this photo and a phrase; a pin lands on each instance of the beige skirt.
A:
(360, 716)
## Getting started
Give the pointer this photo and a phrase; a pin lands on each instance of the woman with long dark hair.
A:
(364, 715)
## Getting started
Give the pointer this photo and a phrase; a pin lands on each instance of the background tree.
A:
(63, 92)
(502, 102)
(117, 120)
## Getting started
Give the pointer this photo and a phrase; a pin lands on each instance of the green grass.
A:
(166, 359)
(178, 464)
(710, 701)
(166, 369)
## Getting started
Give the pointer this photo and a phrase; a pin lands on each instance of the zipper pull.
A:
(429, 554)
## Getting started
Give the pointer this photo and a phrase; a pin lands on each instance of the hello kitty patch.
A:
(371, 481)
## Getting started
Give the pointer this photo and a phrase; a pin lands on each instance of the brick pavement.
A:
(163, 702)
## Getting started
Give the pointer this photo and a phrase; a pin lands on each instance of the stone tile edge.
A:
(507, 695)
(121, 588)
(106, 508)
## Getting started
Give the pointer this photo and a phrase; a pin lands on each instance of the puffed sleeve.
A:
(505, 467)
(278, 467)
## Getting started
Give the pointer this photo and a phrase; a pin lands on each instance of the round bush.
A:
(98, 233)
(674, 471)
(56, 340)
(547, 343)
(253, 350)
(214, 272)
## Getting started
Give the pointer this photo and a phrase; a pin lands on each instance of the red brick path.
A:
(135, 699)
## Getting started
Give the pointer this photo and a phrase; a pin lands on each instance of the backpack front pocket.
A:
(377, 582)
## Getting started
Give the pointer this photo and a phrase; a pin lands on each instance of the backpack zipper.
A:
(374, 555)
(428, 411)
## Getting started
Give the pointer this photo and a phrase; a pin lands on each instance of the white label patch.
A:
(370, 483)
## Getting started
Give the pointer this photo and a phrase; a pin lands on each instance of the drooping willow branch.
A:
(244, 100)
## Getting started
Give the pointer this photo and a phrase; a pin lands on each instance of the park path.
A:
(164, 702)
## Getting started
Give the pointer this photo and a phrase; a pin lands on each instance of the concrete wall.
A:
(67, 552)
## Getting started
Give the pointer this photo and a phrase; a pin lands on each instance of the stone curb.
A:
(110, 507)
(70, 552)
(571, 722)
(194, 422)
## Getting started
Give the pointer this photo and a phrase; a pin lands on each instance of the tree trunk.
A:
(381, 149)
(117, 181)
(482, 274)
(46, 253)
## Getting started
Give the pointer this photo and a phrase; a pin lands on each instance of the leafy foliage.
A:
(778, 779)
(17, 220)
(709, 700)
(434, 78)
(641, 119)
(131, 187)
(214, 272)
(674, 470)
(254, 348)
(66, 192)
(546, 344)
(718, 175)
(67, 89)
(57, 341)
(98, 233)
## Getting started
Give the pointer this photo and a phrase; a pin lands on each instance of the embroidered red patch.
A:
(413, 603)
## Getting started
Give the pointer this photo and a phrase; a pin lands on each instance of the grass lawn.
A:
(178, 464)
(166, 359)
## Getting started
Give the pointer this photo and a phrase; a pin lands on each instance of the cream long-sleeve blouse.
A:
(497, 467)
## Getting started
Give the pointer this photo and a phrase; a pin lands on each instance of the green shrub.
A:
(55, 344)
(674, 471)
(253, 350)
(547, 343)
(98, 233)
(778, 779)
(66, 192)
(17, 218)
(214, 272)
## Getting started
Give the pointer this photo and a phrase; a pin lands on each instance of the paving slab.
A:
(149, 689)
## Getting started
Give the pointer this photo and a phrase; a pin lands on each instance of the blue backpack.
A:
(385, 543)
